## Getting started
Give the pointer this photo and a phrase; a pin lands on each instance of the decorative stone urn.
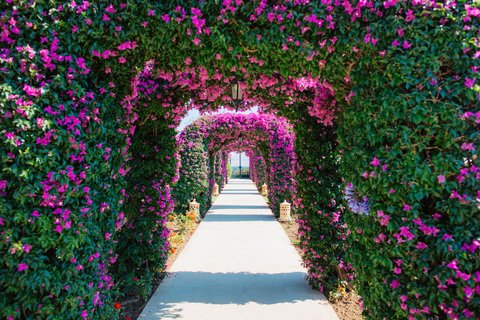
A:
(195, 207)
(264, 190)
(215, 192)
(285, 209)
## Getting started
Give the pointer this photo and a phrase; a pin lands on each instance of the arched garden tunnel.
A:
(204, 149)
(382, 96)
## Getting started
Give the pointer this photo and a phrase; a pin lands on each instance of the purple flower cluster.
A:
(356, 203)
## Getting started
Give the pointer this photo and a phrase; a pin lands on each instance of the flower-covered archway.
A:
(381, 94)
(215, 136)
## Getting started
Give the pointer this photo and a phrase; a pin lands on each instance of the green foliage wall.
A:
(142, 243)
(61, 177)
(321, 227)
(412, 151)
(193, 181)
(258, 169)
(218, 170)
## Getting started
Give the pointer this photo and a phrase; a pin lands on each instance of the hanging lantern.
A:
(237, 94)
(285, 209)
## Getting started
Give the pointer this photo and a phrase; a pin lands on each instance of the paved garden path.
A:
(239, 264)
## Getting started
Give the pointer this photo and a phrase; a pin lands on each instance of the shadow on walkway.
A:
(235, 288)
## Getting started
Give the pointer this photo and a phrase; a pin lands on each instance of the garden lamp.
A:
(237, 94)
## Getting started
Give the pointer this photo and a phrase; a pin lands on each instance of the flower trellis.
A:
(382, 94)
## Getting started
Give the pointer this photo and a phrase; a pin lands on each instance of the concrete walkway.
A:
(239, 264)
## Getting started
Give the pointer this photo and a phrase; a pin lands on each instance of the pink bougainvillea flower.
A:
(466, 312)
(468, 146)
(446, 237)
(384, 221)
(404, 235)
(31, 91)
(441, 179)
(110, 9)
(367, 38)
(468, 292)
(469, 82)
(40, 122)
(22, 267)
(462, 275)
(421, 246)
(395, 284)
(27, 248)
(127, 45)
(166, 18)
(406, 45)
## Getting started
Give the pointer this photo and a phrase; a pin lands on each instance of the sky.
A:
(193, 115)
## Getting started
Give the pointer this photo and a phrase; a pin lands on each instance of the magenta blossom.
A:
(441, 179)
(469, 82)
(22, 267)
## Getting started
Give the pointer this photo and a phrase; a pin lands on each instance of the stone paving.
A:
(239, 264)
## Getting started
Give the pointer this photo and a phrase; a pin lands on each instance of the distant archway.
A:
(204, 144)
